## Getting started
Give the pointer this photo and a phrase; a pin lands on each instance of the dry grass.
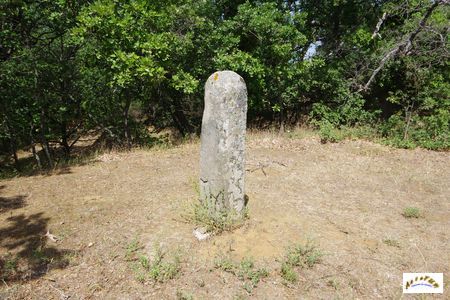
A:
(348, 197)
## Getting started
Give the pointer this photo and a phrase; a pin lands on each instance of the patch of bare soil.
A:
(348, 198)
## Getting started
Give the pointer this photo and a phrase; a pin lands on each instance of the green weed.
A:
(411, 212)
(131, 249)
(39, 256)
(392, 243)
(159, 269)
(333, 283)
(225, 264)
(288, 273)
(215, 221)
(182, 295)
(304, 256)
(244, 270)
(8, 266)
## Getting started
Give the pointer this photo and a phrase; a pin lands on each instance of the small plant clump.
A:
(182, 295)
(157, 269)
(245, 271)
(212, 220)
(132, 247)
(333, 283)
(8, 267)
(215, 222)
(303, 256)
(288, 273)
(411, 212)
(392, 243)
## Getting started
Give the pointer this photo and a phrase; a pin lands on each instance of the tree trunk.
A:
(179, 118)
(44, 141)
(64, 100)
(14, 153)
(12, 144)
(126, 112)
(282, 120)
(33, 147)
(64, 140)
(36, 156)
(408, 113)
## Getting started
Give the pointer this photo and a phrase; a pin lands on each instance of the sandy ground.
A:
(347, 198)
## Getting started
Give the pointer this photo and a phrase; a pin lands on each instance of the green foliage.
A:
(299, 255)
(158, 269)
(392, 243)
(411, 212)
(182, 295)
(303, 255)
(132, 248)
(430, 132)
(245, 270)
(115, 68)
(39, 256)
(225, 264)
(8, 266)
(215, 221)
(288, 273)
(328, 133)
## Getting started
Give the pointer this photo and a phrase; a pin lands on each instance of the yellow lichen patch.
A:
(216, 76)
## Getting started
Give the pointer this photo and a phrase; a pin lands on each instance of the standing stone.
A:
(224, 122)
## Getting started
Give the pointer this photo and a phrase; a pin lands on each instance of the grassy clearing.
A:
(114, 189)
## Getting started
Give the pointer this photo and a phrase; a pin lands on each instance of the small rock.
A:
(201, 233)
(51, 237)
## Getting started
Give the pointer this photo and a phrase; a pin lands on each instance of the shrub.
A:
(328, 133)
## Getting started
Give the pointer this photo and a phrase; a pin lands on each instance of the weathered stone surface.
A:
(224, 122)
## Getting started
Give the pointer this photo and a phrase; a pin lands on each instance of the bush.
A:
(429, 132)
(328, 133)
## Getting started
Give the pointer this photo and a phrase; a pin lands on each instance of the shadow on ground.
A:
(80, 155)
(28, 253)
(10, 203)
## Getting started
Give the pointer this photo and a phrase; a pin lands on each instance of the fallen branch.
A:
(261, 166)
